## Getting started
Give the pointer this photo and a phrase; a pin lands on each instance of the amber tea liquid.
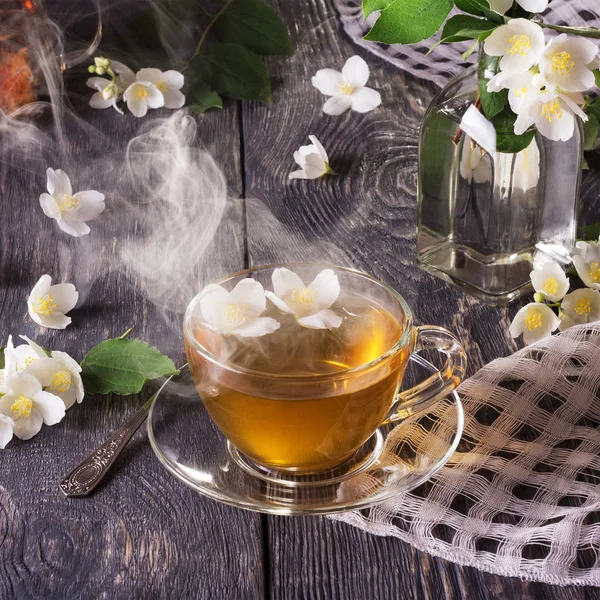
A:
(303, 425)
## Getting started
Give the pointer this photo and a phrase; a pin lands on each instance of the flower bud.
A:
(100, 70)
(108, 92)
(92, 69)
(539, 297)
(102, 62)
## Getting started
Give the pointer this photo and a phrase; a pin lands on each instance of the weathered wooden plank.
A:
(365, 217)
(143, 534)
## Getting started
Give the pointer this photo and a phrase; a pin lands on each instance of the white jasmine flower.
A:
(107, 94)
(520, 43)
(535, 322)
(551, 281)
(168, 84)
(522, 88)
(526, 173)
(567, 64)
(141, 95)
(71, 211)
(586, 259)
(29, 407)
(309, 304)
(19, 358)
(59, 375)
(110, 92)
(479, 129)
(532, 6)
(347, 89)
(475, 163)
(578, 307)
(6, 430)
(553, 114)
(48, 303)
(312, 160)
(580, 248)
(237, 312)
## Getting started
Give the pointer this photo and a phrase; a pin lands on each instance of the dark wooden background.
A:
(143, 534)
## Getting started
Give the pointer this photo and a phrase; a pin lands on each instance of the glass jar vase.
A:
(484, 222)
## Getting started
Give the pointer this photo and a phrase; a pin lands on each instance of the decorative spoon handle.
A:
(88, 474)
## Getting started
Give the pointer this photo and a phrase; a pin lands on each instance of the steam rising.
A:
(166, 197)
(180, 195)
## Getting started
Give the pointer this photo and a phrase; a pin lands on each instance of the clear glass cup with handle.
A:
(304, 400)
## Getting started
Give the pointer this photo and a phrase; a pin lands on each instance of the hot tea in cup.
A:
(300, 376)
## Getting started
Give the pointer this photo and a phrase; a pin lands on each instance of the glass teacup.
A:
(307, 395)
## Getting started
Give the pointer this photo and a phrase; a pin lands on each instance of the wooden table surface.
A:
(144, 534)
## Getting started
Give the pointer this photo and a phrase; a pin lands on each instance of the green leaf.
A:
(591, 232)
(593, 108)
(590, 132)
(480, 8)
(506, 139)
(492, 103)
(370, 6)
(591, 32)
(597, 77)
(201, 97)
(464, 27)
(2, 364)
(254, 25)
(470, 51)
(122, 366)
(234, 71)
(409, 21)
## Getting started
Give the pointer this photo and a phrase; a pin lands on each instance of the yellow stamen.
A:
(583, 307)
(594, 272)
(534, 319)
(519, 44)
(68, 203)
(552, 110)
(22, 407)
(45, 305)
(550, 286)
(141, 92)
(345, 87)
(562, 63)
(235, 314)
(304, 296)
(520, 92)
(61, 382)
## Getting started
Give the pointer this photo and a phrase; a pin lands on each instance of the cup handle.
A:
(438, 385)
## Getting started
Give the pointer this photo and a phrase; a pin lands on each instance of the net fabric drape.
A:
(520, 497)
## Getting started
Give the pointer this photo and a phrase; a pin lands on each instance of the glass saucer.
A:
(398, 457)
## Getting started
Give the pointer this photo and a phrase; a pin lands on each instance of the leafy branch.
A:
(220, 49)
(411, 21)
(209, 27)
(230, 65)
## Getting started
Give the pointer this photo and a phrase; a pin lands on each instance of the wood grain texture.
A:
(143, 534)
(365, 218)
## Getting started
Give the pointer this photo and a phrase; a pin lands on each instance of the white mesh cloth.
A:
(521, 495)
(446, 60)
